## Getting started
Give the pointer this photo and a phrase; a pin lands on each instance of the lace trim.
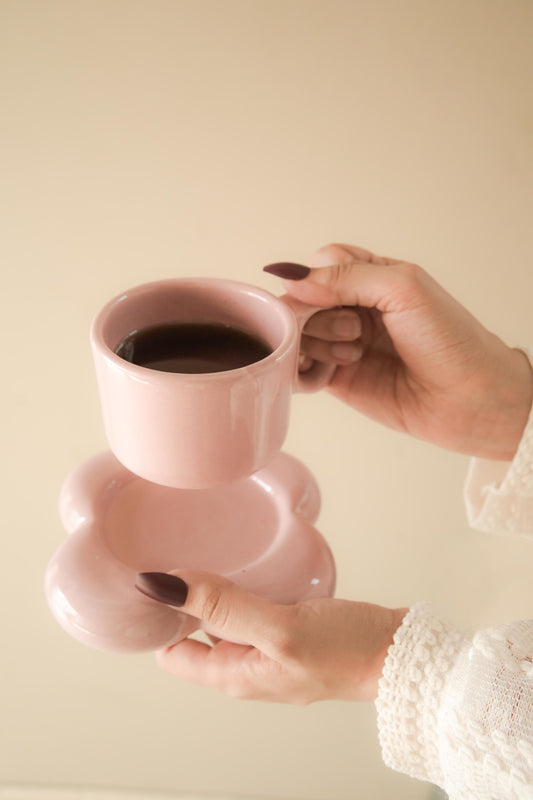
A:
(417, 664)
(458, 712)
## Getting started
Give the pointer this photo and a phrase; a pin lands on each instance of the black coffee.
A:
(192, 347)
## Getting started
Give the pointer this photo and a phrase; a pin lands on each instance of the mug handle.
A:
(319, 374)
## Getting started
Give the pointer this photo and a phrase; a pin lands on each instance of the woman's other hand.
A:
(315, 650)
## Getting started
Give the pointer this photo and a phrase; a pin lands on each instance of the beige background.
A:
(142, 140)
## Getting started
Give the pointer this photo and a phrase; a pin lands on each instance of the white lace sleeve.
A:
(458, 710)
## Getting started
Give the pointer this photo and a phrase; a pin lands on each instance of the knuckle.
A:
(288, 639)
(412, 282)
(289, 649)
(212, 606)
(339, 277)
(411, 273)
(328, 254)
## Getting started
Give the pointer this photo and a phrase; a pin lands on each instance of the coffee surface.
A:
(192, 347)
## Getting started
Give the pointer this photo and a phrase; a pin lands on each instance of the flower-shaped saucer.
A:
(257, 532)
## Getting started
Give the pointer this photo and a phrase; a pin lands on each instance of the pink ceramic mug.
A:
(194, 431)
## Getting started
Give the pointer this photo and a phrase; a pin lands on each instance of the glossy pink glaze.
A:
(257, 532)
(200, 430)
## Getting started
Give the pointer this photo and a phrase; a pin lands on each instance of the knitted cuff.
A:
(423, 652)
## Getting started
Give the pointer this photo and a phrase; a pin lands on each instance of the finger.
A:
(187, 660)
(334, 325)
(225, 610)
(338, 253)
(341, 353)
(391, 287)
(221, 667)
(305, 363)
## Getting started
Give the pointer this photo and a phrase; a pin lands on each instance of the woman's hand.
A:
(414, 358)
(316, 650)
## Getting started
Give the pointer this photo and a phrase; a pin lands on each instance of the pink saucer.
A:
(257, 532)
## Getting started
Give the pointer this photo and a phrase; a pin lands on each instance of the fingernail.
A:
(163, 587)
(346, 351)
(304, 363)
(288, 271)
(346, 326)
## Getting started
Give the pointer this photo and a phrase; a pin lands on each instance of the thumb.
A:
(350, 276)
(225, 610)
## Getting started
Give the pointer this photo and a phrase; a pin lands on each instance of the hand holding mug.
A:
(422, 363)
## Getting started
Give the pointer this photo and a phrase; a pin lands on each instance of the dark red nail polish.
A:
(162, 587)
(288, 271)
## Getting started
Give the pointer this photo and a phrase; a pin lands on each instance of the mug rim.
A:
(100, 346)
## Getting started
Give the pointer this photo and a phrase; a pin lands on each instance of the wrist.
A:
(396, 617)
(508, 409)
